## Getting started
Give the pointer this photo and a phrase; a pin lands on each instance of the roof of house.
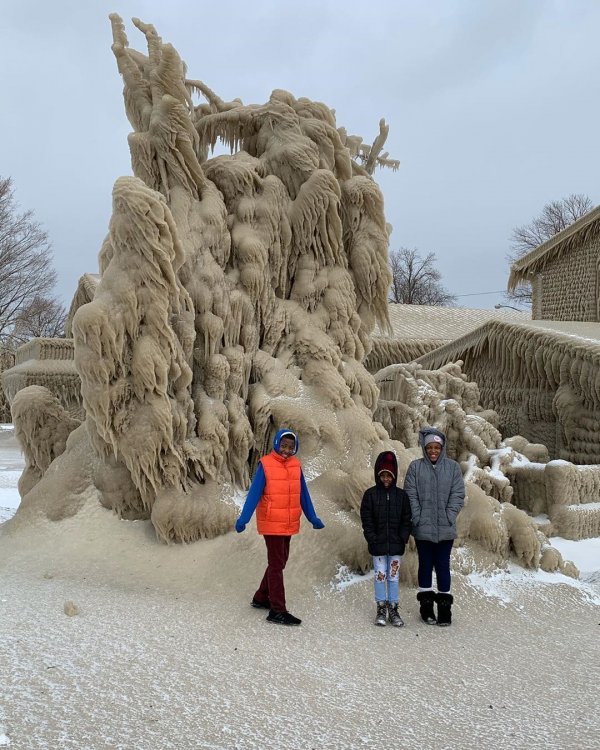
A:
(573, 335)
(580, 231)
(424, 322)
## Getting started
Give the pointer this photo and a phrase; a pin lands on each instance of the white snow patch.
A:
(234, 493)
(12, 464)
(585, 553)
(472, 463)
(506, 585)
(584, 506)
(346, 577)
(9, 499)
(495, 462)
(4, 739)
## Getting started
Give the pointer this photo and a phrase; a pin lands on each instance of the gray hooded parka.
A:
(436, 492)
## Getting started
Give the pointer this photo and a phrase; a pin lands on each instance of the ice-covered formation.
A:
(238, 294)
(7, 360)
(86, 290)
(411, 397)
(566, 493)
(541, 377)
(234, 292)
(49, 363)
(42, 427)
(387, 350)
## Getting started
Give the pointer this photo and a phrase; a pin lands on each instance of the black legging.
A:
(434, 555)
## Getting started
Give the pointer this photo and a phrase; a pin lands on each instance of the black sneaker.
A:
(282, 618)
(259, 605)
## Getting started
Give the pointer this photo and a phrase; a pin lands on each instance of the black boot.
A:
(394, 615)
(381, 616)
(444, 609)
(426, 600)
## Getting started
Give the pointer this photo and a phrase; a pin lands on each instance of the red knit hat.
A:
(387, 463)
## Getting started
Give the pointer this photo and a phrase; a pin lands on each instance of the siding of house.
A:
(567, 289)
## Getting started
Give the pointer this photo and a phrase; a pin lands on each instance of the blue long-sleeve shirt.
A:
(257, 488)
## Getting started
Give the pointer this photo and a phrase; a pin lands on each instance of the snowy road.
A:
(167, 654)
(147, 670)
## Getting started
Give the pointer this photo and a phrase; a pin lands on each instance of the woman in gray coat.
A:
(436, 490)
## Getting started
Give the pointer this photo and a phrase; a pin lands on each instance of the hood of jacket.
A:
(285, 433)
(423, 432)
(386, 457)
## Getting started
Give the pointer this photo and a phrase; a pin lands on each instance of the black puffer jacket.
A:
(385, 514)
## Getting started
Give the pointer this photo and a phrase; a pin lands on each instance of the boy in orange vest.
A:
(279, 495)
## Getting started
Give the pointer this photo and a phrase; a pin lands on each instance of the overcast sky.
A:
(493, 108)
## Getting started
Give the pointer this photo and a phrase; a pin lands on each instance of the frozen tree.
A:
(44, 316)
(416, 280)
(553, 218)
(371, 157)
(27, 278)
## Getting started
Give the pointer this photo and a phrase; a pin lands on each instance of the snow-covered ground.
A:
(166, 652)
(11, 466)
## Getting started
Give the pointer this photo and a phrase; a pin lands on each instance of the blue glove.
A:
(239, 526)
(318, 524)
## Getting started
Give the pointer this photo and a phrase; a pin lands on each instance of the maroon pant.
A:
(271, 589)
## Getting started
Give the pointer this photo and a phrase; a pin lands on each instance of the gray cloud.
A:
(491, 106)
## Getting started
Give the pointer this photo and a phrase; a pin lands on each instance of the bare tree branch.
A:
(416, 280)
(26, 275)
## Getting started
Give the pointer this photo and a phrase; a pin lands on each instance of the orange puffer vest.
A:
(279, 509)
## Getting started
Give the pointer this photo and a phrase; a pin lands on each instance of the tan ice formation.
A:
(239, 294)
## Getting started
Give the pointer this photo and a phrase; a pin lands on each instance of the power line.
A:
(479, 294)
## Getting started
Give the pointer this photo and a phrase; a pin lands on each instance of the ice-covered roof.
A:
(430, 322)
(586, 332)
(580, 231)
(569, 336)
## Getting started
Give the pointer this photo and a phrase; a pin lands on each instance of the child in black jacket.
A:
(386, 521)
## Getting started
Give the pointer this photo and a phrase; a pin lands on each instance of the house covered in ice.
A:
(419, 329)
(564, 273)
